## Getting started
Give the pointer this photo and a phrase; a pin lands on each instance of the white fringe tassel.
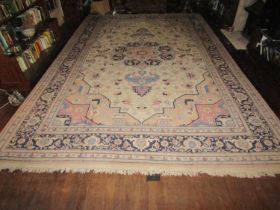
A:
(248, 171)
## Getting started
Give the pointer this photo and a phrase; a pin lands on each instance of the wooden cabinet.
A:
(12, 76)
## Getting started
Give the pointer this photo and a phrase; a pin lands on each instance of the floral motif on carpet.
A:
(148, 89)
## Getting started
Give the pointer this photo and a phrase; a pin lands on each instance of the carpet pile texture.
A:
(144, 94)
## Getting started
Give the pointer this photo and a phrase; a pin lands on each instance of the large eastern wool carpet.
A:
(144, 94)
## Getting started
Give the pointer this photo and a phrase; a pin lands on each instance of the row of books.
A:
(11, 36)
(33, 53)
(10, 7)
(33, 16)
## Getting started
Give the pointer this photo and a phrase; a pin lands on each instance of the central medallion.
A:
(143, 54)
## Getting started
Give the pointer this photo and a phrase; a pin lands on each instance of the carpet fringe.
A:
(242, 171)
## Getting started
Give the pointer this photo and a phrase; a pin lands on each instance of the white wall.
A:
(241, 15)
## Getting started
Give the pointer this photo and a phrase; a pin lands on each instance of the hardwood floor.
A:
(118, 192)
(67, 191)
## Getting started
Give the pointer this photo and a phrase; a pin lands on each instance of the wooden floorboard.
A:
(99, 191)
(66, 191)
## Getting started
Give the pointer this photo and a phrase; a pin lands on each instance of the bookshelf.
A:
(23, 59)
(6, 19)
(221, 11)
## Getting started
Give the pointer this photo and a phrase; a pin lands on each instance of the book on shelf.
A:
(34, 15)
(8, 39)
(33, 53)
(23, 66)
(11, 7)
(12, 39)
